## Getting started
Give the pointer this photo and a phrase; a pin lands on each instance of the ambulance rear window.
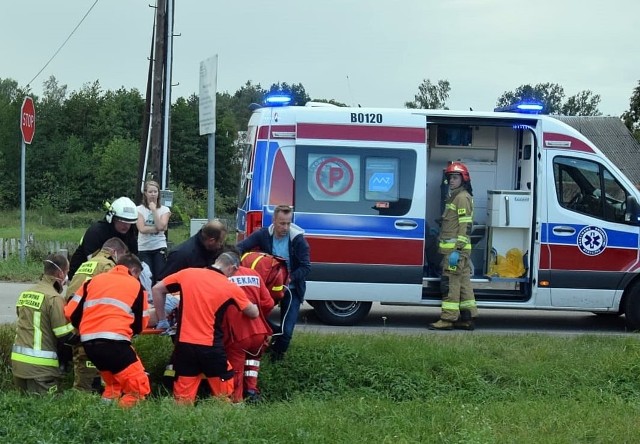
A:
(352, 180)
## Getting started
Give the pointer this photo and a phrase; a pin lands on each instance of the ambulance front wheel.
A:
(341, 312)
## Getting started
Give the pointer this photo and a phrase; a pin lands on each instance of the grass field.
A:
(381, 388)
(385, 388)
(44, 225)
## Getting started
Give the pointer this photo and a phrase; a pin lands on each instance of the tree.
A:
(116, 171)
(297, 92)
(631, 117)
(551, 95)
(188, 158)
(431, 96)
(585, 103)
(11, 96)
(330, 101)
(238, 103)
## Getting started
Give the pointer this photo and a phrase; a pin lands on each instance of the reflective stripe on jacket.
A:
(41, 322)
(115, 307)
(457, 222)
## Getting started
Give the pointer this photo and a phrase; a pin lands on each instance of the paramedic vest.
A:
(113, 306)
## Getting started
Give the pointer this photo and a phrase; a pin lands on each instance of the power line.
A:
(63, 43)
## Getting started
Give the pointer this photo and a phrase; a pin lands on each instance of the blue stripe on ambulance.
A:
(615, 239)
(357, 225)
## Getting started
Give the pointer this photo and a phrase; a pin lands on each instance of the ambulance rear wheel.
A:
(632, 307)
(341, 312)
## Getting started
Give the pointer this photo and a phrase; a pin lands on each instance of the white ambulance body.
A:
(366, 185)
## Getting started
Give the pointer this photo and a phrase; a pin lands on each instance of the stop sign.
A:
(28, 119)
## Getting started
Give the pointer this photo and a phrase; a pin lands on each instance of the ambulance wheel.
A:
(632, 307)
(341, 312)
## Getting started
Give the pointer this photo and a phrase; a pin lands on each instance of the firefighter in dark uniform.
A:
(458, 302)
(41, 326)
(120, 221)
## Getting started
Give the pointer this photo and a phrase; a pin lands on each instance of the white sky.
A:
(373, 53)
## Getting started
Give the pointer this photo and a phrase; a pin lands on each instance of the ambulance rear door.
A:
(360, 196)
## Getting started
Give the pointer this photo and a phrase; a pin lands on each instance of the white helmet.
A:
(123, 209)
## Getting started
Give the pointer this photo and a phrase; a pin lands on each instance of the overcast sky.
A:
(373, 53)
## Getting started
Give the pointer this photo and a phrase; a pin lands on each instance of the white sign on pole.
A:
(207, 107)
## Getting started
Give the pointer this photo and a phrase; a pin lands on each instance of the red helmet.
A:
(458, 168)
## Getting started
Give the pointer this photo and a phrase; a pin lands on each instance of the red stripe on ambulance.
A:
(565, 142)
(362, 132)
(563, 257)
(343, 250)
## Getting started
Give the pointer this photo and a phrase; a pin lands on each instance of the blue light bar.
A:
(524, 107)
(277, 100)
(529, 107)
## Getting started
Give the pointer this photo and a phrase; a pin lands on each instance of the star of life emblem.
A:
(592, 240)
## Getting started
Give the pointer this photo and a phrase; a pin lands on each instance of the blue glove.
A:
(453, 259)
(162, 325)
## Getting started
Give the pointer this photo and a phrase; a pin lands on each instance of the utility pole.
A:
(146, 124)
(159, 63)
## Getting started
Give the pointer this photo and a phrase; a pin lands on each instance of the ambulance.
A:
(367, 187)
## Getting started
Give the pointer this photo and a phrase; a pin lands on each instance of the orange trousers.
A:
(127, 387)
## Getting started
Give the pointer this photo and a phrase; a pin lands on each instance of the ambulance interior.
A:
(500, 163)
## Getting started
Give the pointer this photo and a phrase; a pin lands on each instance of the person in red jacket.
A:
(205, 295)
(245, 339)
(108, 311)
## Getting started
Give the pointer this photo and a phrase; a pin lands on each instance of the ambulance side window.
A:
(348, 180)
(589, 188)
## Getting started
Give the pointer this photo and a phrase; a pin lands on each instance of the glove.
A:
(162, 325)
(453, 259)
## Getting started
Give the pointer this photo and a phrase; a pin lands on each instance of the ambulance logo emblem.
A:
(592, 240)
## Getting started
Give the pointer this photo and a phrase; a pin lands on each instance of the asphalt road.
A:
(414, 320)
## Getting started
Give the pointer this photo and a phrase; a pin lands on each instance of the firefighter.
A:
(41, 326)
(458, 302)
(119, 222)
(245, 339)
(86, 376)
(110, 310)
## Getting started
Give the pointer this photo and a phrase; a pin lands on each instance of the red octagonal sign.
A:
(28, 119)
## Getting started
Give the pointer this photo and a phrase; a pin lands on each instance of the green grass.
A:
(44, 225)
(13, 270)
(47, 225)
(459, 388)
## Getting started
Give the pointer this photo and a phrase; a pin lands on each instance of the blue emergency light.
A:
(277, 100)
(523, 107)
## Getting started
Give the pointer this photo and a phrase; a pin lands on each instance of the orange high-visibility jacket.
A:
(115, 306)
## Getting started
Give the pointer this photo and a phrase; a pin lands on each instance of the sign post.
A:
(28, 129)
(207, 115)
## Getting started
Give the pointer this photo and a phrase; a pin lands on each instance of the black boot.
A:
(465, 322)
